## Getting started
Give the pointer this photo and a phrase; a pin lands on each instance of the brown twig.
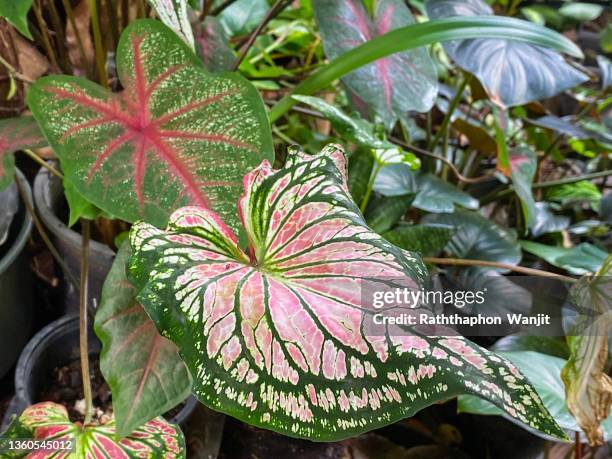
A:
(494, 264)
(221, 7)
(278, 6)
(44, 32)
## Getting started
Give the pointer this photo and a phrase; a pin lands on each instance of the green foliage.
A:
(428, 240)
(581, 259)
(16, 12)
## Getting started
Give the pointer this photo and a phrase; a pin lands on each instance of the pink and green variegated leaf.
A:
(16, 134)
(49, 421)
(277, 337)
(174, 136)
(390, 86)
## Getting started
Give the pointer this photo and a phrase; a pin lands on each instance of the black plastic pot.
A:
(16, 302)
(54, 346)
(49, 199)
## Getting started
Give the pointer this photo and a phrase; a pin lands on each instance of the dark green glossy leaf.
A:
(546, 221)
(390, 86)
(581, 259)
(513, 73)
(432, 193)
(564, 126)
(428, 240)
(143, 369)
(605, 69)
(360, 167)
(478, 238)
(242, 16)
(384, 212)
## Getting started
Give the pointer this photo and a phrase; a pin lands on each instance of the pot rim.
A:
(24, 231)
(55, 225)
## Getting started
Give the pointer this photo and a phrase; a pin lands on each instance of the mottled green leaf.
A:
(176, 135)
(278, 337)
(143, 369)
(174, 13)
(49, 421)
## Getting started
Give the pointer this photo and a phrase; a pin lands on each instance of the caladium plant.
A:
(390, 86)
(16, 134)
(276, 336)
(49, 421)
(174, 136)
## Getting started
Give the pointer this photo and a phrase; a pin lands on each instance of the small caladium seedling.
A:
(16, 134)
(277, 336)
(174, 136)
(49, 421)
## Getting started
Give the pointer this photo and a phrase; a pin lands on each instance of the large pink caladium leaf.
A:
(277, 336)
(16, 134)
(49, 421)
(391, 86)
(174, 136)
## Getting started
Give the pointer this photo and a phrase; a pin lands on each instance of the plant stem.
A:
(368, 193)
(12, 71)
(111, 8)
(563, 181)
(44, 32)
(444, 127)
(577, 446)
(43, 234)
(83, 326)
(494, 264)
(100, 53)
(77, 34)
(221, 7)
(60, 38)
(43, 163)
(278, 6)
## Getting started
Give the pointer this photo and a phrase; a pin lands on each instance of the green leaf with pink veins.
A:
(278, 336)
(175, 136)
(49, 421)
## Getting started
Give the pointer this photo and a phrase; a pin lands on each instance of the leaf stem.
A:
(278, 6)
(494, 264)
(44, 32)
(444, 127)
(41, 162)
(13, 71)
(99, 48)
(370, 187)
(43, 234)
(83, 326)
(77, 34)
(217, 10)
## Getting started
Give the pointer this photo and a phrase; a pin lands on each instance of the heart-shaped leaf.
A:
(175, 136)
(512, 72)
(16, 134)
(390, 86)
(432, 193)
(143, 369)
(277, 338)
(49, 421)
(174, 13)
(477, 238)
